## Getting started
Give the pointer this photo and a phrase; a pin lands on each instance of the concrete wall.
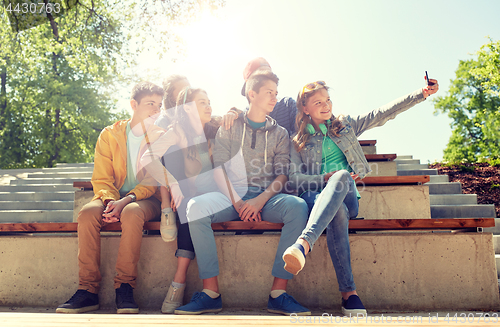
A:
(383, 168)
(369, 149)
(399, 271)
(394, 202)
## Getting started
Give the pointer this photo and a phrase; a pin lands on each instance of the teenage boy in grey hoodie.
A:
(257, 145)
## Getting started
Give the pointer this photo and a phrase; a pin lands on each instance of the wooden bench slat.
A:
(408, 224)
(361, 224)
(243, 225)
(381, 157)
(394, 180)
(83, 185)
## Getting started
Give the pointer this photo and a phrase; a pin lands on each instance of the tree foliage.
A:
(53, 87)
(475, 114)
(58, 79)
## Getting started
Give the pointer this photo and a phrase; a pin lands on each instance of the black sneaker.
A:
(353, 306)
(125, 300)
(81, 301)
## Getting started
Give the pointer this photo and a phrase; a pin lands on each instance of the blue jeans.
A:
(332, 209)
(215, 208)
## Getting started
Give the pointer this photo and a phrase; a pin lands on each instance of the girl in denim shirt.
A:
(326, 159)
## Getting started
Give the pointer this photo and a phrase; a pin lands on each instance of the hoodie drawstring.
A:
(243, 137)
(265, 147)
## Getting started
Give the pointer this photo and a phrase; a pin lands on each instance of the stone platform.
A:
(404, 271)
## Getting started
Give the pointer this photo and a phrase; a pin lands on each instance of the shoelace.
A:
(78, 295)
(289, 300)
(128, 295)
(196, 296)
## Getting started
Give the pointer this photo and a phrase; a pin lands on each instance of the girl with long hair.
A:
(191, 129)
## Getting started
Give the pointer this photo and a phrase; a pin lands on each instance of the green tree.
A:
(54, 79)
(475, 115)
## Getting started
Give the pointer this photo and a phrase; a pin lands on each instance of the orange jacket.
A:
(110, 164)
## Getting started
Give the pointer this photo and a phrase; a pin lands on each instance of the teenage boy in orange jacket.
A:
(121, 194)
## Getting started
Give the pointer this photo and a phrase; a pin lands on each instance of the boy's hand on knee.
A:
(250, 211)
(114, 209)
(108, 216)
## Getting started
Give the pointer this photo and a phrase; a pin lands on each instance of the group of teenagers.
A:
(192, 169)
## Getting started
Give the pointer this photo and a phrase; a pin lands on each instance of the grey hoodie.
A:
(265, 151)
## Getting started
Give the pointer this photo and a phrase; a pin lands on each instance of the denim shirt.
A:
(305, 167)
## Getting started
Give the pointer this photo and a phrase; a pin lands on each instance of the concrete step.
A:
(417, 172)
(68, 169)
(407, 161)
(438, 179)
(37, 196)
(404, 157)
(36, 216)
(70, 174)
(463, 211)
(496, 243)
(445, 188)
(19, 171)
(36, 205)
(54, 181)
(452, 199)
(38, 170)
(412, 166)
(369, 149)
(37, 188)
(495, 230)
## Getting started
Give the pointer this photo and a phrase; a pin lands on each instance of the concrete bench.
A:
(401, 270)
(368, 146)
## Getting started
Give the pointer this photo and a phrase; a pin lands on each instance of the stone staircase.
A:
(40, 195)
(446, 198)
(46, 195)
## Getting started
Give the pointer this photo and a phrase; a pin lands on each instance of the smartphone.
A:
(427, 77)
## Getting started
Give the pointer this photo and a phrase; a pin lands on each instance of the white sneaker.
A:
(168, 225)
(173, 300)
(294, 260)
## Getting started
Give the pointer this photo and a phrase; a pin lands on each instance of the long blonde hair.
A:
(181, 120)
(302, 119)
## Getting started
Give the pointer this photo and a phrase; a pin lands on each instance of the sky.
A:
(369, 52)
